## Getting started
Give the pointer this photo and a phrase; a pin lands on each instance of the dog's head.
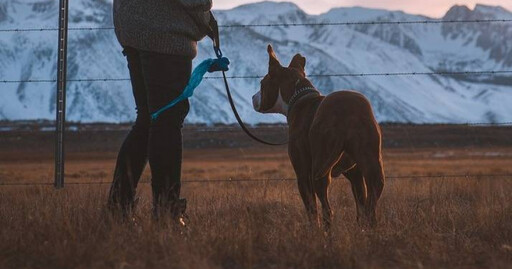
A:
(278, 86)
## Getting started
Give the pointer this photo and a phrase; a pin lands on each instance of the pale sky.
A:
(432, 8)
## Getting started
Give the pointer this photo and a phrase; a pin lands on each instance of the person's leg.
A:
(165, 78)
(132, 156)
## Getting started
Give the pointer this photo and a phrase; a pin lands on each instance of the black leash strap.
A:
(212, 31)
(240, 122)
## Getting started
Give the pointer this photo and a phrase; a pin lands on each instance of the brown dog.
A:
(329, 136)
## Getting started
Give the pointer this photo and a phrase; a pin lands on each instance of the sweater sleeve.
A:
(197, 5)
(202, 18)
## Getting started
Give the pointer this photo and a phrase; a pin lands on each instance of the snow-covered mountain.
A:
(328, 49)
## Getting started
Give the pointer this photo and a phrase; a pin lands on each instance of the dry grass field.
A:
(452, 222)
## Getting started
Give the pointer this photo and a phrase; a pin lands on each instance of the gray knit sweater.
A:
(161, 25)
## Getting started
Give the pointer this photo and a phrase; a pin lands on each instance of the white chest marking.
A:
(279, 106)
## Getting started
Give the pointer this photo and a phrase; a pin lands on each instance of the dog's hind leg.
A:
(349, 169)
(365, 150)
(325, 154)
(359, 191)
(374, 177)
(371, 168)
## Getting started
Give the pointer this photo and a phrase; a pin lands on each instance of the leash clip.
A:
(217, 50)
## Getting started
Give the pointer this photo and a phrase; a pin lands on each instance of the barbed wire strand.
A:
(326, 23)
(254, 180)
(484, 72)
(348, 23)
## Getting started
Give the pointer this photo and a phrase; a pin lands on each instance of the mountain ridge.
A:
(328, 49)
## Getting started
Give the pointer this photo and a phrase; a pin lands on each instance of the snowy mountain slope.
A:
(328, 49)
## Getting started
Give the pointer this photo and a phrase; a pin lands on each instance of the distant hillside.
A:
(328, 49)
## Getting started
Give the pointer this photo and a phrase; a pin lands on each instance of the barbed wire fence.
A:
(346, 23)
(489, 72)
(327, 23)
(263, 180)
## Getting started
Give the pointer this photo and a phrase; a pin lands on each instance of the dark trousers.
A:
(156, 80)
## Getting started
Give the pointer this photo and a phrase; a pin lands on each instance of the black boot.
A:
(175, 209)
(178, 212)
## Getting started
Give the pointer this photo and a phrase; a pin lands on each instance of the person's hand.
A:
(221, 64)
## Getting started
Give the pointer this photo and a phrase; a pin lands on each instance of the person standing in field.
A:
(159, 39)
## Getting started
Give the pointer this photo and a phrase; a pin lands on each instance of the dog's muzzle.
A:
(256, 101)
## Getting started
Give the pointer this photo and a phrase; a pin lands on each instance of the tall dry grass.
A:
(449, 223)
(423, 223)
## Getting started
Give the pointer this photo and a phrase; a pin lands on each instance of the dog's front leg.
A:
(301, 161)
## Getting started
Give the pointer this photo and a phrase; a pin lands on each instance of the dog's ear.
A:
(298, 62)
(273, 65)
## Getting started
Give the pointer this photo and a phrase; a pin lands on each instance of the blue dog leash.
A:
(208, 65)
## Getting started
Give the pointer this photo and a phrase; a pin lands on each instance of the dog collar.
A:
(299, 94)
